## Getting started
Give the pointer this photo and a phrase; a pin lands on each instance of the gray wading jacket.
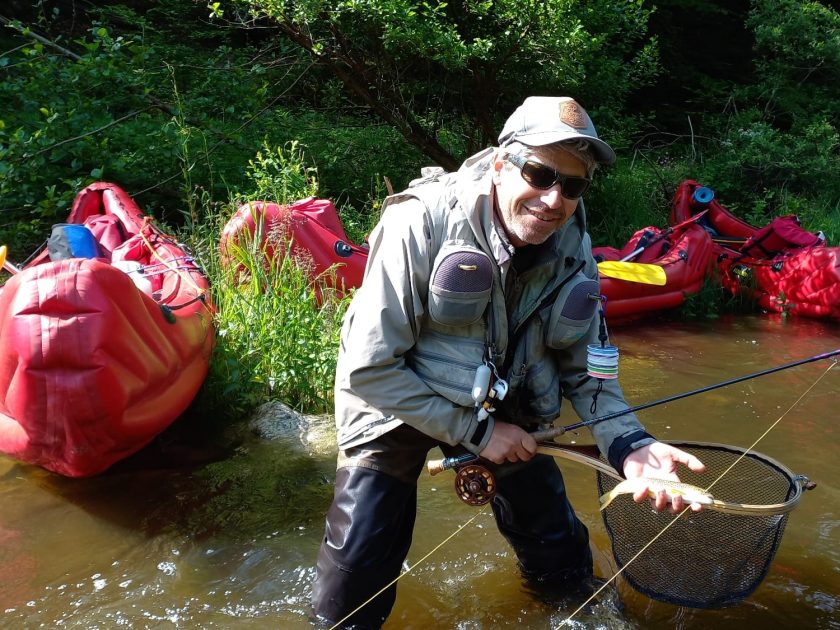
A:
(440, 295)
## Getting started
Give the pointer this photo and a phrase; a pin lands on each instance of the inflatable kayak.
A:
(685, 254)
(105, 338)
(312, 230)
(781, 266)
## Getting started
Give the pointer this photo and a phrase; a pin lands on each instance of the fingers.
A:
(529, 443)
(688, 459)
(523, 451)
(641, 495)
(509, 443)
(659, 500)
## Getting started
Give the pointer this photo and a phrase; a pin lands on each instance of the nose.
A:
(552, 197)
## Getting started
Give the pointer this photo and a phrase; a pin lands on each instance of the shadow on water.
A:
(223, 482)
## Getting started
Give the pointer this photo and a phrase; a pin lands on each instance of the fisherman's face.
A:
(530, 215)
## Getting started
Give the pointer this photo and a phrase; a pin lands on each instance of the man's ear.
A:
(498, 165)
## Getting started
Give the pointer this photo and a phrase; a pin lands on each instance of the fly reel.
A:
(475, 485)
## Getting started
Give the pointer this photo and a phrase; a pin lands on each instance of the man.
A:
(477, 278)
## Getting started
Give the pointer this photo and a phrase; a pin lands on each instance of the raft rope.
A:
(200, 293)
(746, 452)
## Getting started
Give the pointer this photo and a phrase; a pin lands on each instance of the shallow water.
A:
(230, 542)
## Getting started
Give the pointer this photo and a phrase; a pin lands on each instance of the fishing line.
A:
(711, 485)
(409, 570)
(551, 433)
(701, 390)
(626, 564)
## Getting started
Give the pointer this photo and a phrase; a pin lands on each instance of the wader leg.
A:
(368, 533)
(535, 516)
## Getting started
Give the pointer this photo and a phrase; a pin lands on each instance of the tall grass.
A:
(277, 328)
(623, 199)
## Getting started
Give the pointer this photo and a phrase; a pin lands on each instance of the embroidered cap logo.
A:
(573, 115)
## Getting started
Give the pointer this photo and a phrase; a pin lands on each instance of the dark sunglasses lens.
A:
(539, 176)
(574, 187)
(542, 177)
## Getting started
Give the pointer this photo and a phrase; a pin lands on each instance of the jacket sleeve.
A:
(381, 327)
(617, 437)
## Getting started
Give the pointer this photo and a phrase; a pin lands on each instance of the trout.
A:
(689, 493)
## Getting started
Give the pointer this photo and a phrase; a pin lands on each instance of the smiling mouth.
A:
(543, 216)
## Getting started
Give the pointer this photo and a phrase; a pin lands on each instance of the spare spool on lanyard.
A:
(601, 359)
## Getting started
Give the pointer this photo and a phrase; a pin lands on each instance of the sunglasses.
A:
(543, 177)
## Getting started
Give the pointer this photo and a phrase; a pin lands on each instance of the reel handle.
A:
(435, 466)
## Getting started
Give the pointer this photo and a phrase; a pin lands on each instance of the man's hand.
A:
(660, 460)
(509, 442)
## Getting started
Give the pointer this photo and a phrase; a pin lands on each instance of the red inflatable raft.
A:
(684, 252)
(782, 267)
(313, 228)
(99, 354)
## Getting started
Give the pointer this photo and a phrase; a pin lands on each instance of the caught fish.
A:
(689, 493)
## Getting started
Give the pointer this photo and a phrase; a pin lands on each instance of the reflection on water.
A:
(230, 543)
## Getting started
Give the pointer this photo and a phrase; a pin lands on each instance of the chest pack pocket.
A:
(572, 312)
(460, 287)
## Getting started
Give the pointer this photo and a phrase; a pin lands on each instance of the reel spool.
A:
(475, 485)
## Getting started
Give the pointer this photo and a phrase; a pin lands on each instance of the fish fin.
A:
(606, 499)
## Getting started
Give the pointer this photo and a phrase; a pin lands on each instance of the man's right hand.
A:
(510, 443)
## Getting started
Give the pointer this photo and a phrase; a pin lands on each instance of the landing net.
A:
(708, 559)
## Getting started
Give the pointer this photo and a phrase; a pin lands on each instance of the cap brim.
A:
(602, 152)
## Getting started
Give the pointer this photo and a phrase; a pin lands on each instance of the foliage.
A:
(279, 174)
(414, 62)
(776, 148)
(277, 328)
(625, 198)
(187, 113)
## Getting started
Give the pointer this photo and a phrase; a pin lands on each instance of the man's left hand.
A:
(660, 460)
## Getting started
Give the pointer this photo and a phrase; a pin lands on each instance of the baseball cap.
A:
(542, 120)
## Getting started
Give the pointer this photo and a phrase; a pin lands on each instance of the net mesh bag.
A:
(706, 559)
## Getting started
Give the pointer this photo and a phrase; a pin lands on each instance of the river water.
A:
(209, 529)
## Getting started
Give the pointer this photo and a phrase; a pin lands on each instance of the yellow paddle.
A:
(643, 273)
(4, 263)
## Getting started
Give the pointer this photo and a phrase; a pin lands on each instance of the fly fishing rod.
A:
(437, 466)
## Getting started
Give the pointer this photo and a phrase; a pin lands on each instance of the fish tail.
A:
(606, 499)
